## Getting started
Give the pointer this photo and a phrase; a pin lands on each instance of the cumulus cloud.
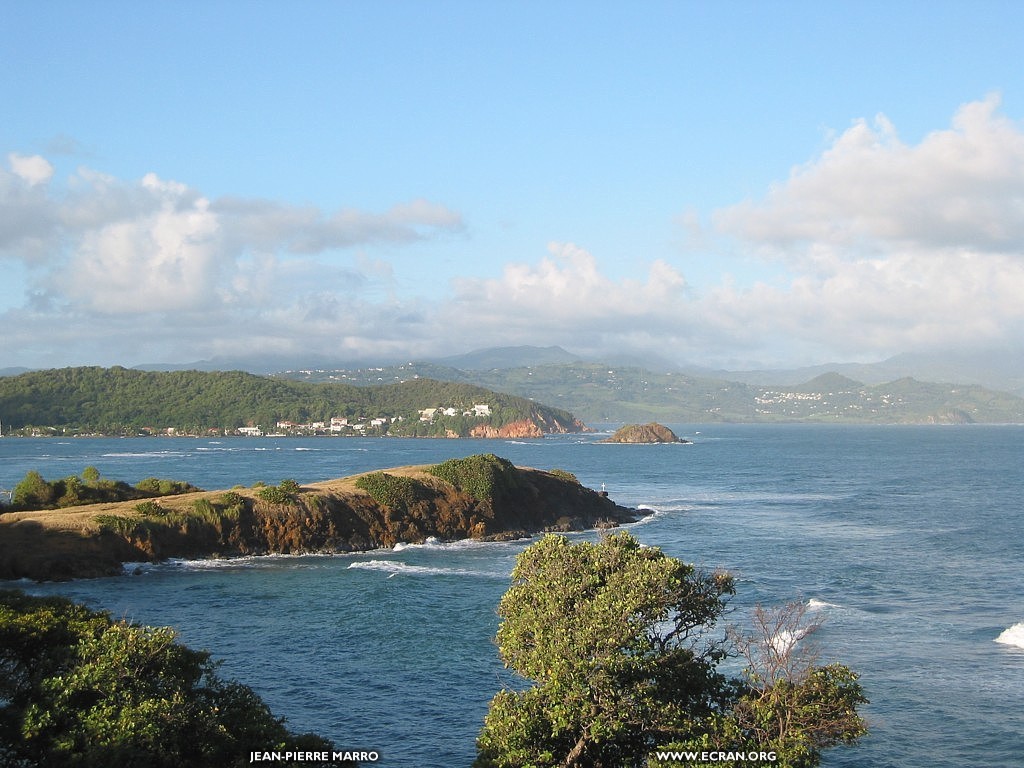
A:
(111, 246)
(877, 246)
(962, 187)
(891, 246)
(33, 170)
(567, 298)
(28, 220)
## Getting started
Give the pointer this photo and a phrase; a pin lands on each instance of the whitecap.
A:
(432, 542)
(815, 604)
(1013, 636)
(785, 641)
(396, 567)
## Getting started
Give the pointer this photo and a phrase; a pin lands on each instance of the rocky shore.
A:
(645, 433)
(328, 517)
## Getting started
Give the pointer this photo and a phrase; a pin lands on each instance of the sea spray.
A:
(1013, 636)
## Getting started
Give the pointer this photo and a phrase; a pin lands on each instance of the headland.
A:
(481, 497)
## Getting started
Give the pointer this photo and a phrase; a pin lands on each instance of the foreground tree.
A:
(620, 643)
(78, 689)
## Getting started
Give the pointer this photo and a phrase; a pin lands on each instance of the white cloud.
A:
(269, 225)
(962, 187)
(27, 216)
(892, 247)
(878, 246)
(154, 245)
(33, 169)
(167, 259)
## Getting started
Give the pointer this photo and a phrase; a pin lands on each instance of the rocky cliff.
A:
(329, 517)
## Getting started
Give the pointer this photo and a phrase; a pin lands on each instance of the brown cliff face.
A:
(515, 430)
(333, 516)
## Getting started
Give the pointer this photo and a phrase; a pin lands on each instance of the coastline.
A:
(334, 516)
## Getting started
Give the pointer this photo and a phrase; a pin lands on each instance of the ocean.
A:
(908, 541)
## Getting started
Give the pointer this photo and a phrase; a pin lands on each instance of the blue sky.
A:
(735, 184)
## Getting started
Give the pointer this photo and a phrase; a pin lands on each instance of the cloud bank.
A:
(877, 246)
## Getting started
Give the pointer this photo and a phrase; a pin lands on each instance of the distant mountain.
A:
(998, 369)
(831, 382)
(256, 364)
(13, 371)
(507, 357)
(599, 392)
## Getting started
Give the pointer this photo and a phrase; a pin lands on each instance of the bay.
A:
(908, 540)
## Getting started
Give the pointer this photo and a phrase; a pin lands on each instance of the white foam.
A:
(1013, 636)
(210, 563)
(785, 641)
(432, 542)
(819, 605)
(396, 567)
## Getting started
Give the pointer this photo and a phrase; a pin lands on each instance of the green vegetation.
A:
(598, 392)
(79, 689)
(619, 643)
(395, 492)
(564, 474)
(119, 524)
(284, 492)
(151, 509)
(484, 476)
(122, 401)
(35, 493)
(151, 517)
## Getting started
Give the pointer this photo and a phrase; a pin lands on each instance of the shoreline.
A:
(328, 517)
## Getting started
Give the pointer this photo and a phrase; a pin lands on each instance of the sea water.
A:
(907, 541)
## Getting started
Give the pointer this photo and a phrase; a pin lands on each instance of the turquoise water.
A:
(908, 540)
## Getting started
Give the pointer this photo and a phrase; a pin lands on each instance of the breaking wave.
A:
(815, 604)
(1013, 636)
(395, 568)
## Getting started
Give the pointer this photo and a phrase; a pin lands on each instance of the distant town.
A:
(341, 426)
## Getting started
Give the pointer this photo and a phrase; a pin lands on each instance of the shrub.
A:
(276, 494)
(230, 499)
(149, 485)
(33, 492)
(392, 491)
(204, 510)
(231, 505)
(563, 474)
(484, 476)
(116, 523)
(151, 509)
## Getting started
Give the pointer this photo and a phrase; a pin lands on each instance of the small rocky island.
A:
(481, 497)
(645, 433)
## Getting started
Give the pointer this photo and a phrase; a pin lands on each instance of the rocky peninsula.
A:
(481, 497)
(645, 433)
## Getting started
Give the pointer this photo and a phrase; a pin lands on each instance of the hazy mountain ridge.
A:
(600, 392)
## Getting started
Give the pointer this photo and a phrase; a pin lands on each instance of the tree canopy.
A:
(121, 400)
(79, 689)
(620, 644)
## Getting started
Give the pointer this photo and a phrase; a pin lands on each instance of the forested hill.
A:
(124, 401)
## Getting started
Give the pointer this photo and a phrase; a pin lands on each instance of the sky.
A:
(726, 184)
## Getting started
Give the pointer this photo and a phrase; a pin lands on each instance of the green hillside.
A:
(124, 401)
(598, 392)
